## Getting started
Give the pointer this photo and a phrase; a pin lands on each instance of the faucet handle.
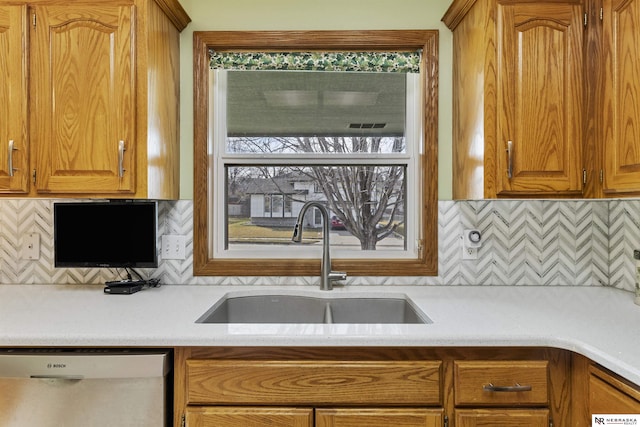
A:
(337, 275)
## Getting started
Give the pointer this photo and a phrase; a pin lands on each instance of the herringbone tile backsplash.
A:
(524, 242)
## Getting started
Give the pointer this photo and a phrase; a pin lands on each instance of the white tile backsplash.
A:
(524, 242)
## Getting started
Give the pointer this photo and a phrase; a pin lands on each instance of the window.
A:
(377, 179)
(275, 206)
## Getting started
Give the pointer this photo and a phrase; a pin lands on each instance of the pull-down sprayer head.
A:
(297, 232)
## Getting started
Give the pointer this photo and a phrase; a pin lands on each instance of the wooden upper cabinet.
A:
(91, 100)
(545, 98)
(14, 150)
(539, 85)
(83, 99)
(621, 96)
(517, 98)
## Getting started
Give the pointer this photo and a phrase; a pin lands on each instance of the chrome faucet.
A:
(326, 275)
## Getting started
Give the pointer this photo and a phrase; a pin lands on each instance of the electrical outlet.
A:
(173, 247)
(30, 246)
(469, 253)
(471, 241)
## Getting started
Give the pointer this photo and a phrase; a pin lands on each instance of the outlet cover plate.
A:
(31, 246)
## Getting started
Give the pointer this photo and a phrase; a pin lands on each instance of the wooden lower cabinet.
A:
(502, 418)
(371, 387)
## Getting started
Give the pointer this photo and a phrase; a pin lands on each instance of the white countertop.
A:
(598, 322)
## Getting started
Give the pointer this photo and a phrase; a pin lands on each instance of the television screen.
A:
(105, 234)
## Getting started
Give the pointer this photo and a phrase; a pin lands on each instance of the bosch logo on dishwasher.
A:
(56, 365)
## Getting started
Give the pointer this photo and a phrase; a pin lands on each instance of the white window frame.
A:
(221, 158)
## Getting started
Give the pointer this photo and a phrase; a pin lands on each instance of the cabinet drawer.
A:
(502, 417)
(238, 416)
(405, 417)
(250, 382)
(501, 382)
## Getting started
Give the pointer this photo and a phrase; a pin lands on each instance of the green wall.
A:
(212, 15)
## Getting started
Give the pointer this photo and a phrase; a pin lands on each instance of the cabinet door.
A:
(82, 98)
(605, 399)
(249, 417)
(378, 417)
(502, 418)
(539, 111)
(621, 109)
(14, 169)
(609, 394)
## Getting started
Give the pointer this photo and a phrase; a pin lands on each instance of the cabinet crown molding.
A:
(456, 12)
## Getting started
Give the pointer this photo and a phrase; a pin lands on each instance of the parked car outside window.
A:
(336, 224)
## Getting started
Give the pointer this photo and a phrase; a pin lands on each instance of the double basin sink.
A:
(314, 308)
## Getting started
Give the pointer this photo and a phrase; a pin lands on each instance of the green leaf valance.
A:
(398, 62)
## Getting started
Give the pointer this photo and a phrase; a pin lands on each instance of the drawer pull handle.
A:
(509, 388)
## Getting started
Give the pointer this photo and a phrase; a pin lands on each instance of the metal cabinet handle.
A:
(10, 157)
(121, 151)
(511, 388)
(510, 159)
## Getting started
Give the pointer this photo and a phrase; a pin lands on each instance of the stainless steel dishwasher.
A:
(88, 388)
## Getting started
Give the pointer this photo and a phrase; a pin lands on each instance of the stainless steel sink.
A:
(313, 309)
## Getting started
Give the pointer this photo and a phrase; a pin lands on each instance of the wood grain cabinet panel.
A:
(249, 417)
(405, 417)
(518, 98)
(315, 383)
(514, 382)
(539, 115)
(372, 387)
(91, 98)
(342, 387)
(545, 98)
(14, 148)
(609, 394)
(621, 91)
(83, 104)
(505, 393)
(502, 418)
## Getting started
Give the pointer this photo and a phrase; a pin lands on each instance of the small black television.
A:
(106, 234)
